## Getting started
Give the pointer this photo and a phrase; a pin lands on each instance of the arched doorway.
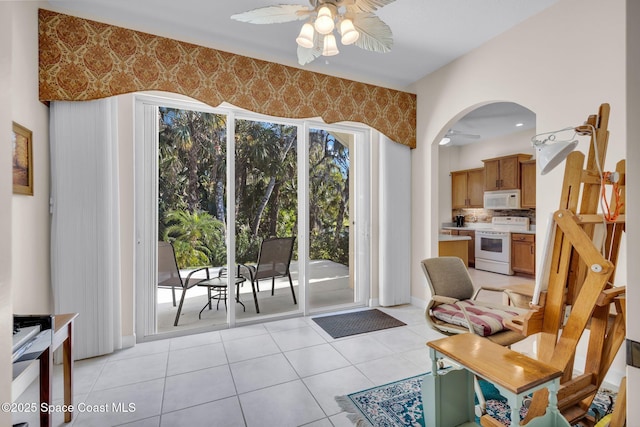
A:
(490, 131)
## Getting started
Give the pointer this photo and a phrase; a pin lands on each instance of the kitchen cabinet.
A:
(528, 184)
(503, 173)
(523, 253)
(472, 244)
(467, 188)
(450, 245)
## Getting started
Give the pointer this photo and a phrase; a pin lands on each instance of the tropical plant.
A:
(198, 238)
(192, 187)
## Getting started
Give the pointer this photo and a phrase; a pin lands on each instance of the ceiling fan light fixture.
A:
(348, 31)
(324, 22)
(305, 38)
(330, 48)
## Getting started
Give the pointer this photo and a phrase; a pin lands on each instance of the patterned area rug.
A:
(399, 404)
(358, 322)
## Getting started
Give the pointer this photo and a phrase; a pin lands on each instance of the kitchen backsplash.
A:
(485, 215)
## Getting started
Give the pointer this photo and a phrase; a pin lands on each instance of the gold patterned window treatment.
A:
(82, 60)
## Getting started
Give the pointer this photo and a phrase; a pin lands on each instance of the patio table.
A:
(220, 285)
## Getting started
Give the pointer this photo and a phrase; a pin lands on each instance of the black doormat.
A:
(359, 322)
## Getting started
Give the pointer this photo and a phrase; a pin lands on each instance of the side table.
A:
(448, 396)
(219, 284)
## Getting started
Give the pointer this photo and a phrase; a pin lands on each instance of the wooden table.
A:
(62, 336)
(448, 396)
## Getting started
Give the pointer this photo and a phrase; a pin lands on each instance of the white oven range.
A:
(493, 246)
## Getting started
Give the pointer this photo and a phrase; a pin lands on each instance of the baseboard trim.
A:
(417, 302)
(129, 341)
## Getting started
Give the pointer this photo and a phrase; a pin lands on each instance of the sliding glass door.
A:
(208, 180)
(266, 207)
(191, 211)
(331, 244)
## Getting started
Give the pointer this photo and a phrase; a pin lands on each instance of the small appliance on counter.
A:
(459, 220)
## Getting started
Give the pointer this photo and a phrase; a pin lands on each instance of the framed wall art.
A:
(22, 160)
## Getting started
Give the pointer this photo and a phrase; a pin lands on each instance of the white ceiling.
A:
(428, 34)
(492, 121)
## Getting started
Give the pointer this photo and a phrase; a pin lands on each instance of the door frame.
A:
(145, 208)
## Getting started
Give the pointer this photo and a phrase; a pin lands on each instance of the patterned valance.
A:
(83, 60)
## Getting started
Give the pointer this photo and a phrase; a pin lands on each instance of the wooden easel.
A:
(579, 291)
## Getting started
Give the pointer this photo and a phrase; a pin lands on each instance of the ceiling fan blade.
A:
(273, 14)
(457, 133)
(375, 35)
(306, 54)
(368, 5)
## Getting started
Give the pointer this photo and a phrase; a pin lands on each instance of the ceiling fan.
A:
(354, 19)
(452, 133)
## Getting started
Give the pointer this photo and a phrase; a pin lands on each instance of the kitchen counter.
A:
(450, 238)
(457, 246)
(483, 227)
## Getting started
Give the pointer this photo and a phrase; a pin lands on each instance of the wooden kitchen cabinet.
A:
(503, 173)
(523, 253)
(472, 244)
(467, 188)
(528, 183)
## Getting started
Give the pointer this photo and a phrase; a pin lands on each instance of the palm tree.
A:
(198, 238)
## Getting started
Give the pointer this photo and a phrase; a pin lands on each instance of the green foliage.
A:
(192, 187)
(198, 238)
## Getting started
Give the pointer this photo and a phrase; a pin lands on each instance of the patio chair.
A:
(454, 309)
(274, 260)
(169, 275)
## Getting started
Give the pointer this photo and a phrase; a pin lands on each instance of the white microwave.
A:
(504, 199)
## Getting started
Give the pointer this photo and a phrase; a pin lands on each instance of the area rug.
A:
(358, 322)
(399, 404)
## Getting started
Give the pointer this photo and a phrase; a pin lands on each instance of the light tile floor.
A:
(281, 373)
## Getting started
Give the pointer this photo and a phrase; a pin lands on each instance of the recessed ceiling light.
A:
(445, 140)
(519, 125)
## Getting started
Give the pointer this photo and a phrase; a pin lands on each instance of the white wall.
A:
(6, 321)
(536, 69)
(546, 64)
(30, 214)
(471, 155)
(633, 195)
(24, 220)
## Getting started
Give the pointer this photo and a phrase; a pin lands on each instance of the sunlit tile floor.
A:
(281, 373)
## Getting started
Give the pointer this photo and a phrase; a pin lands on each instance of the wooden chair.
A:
(454, 308)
